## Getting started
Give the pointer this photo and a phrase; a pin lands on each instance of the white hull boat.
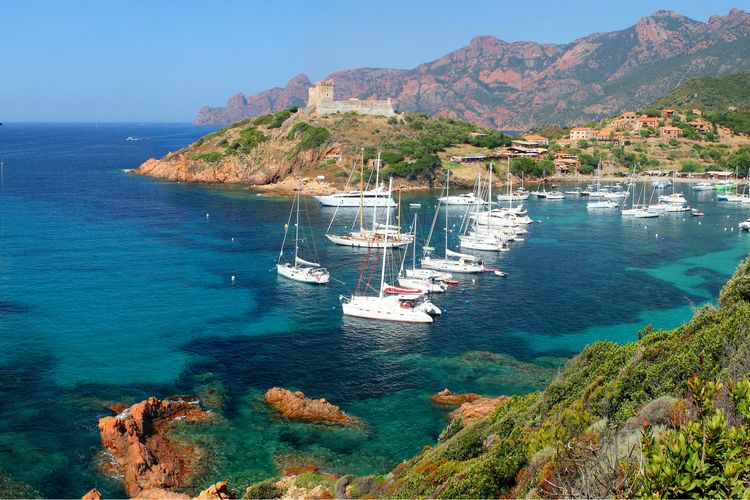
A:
(371, 198)
(388, 308)
(425, 285)
(367, 242)
(745, 225)
(463, 199)
(303, 274)
(602, 205)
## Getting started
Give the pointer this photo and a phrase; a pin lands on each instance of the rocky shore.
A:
(296, 406)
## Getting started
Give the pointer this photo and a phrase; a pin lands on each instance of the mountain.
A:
(522, 84)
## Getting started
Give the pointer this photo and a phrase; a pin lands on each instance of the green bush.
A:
(263, 489)
(310, 137)
(209, 157)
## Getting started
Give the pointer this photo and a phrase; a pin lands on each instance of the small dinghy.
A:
(696, 213)
(500, 273)
(451, 282)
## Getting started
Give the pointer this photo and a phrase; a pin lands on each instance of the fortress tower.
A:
(321, 92)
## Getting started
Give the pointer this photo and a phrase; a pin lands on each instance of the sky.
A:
(160, 61)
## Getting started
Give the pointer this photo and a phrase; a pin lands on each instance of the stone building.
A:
(320, 100)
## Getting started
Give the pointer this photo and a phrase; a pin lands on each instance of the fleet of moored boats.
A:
(484, 227)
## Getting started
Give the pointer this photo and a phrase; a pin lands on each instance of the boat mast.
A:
(296, 227)
(375, 207)
(362, 191)
(489, 198)
(414, 248)
(447, 207)
(385, 241)
(398, 215)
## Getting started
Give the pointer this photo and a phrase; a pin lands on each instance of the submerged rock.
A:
(143, 456)
(446, 397)
(472, 410)
(295, 406)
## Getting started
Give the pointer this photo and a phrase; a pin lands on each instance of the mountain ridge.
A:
(516, 85)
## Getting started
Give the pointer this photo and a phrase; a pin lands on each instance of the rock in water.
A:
(145, 457)
(446, 397)
(218, 491)
(92, 495)
(295, 406)
(472, 410)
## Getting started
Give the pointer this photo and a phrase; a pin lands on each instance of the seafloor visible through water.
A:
(115, 287)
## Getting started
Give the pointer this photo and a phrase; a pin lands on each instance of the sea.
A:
(116, 287)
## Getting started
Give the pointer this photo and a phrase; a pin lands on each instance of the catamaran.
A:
(385, 307)
(299, 269)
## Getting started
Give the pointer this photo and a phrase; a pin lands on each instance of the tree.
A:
(691, 166)
(522, 166)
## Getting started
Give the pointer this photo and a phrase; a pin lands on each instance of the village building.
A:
(669, 132)
(642, 122)
(700, 125)
(668, 113)
(603, 134)
(536, 140)
(470, 158)
(697, 112)
(564, 163)
(580, 134)
(320, 101)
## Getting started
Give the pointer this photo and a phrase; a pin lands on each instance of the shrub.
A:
(209, 157)
(310, 137)
(263, 489)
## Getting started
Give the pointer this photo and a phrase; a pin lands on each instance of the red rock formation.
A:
(143, 455)
(218, 491)
(446, 397)
(92, 495)
(472, 410)
(517, 85)
(295, 406)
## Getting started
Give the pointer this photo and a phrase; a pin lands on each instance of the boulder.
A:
(472, 410)
(141, 454)
(218, 491)
(295, 406)
(446, 397)
(92, 495)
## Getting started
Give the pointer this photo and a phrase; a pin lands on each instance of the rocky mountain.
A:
(522, 84)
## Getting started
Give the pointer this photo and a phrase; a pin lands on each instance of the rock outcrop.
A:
(92, 495)
(521, 84)
(446, 397)
(295, 406)
(472, 410)
(142, 455)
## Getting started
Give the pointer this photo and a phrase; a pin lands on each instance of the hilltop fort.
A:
(320, 101)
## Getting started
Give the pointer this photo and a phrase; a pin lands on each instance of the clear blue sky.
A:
(152, 60)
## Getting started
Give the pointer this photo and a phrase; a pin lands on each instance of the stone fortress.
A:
(320, 100)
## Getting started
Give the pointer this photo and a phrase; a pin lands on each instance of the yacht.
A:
(745, 225)
(703, 186)
(463, 199)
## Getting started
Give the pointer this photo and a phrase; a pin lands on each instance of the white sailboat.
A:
(598, 201)
(427, 284)
(483, 236)
(385, 307)
(454, 262)
(369, 238)
(362, 197)
(299, 269)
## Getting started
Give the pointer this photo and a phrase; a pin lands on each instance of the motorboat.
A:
(745, 225)
(463, 199)
(703, 186)
(555, 195)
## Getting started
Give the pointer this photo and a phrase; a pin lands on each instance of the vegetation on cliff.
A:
(268, 148)
(650, 417)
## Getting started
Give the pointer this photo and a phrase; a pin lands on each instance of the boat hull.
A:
(452, 266)
(303, 274)
(351, 241)
(351, 201)
(384, 309)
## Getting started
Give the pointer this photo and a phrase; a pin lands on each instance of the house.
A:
(669, 132)
(603, 134)
(565, 143)
(667, 113)
(642, 122)
(700, 125)
(564, 163)
(468, 158)
(697, 112)
(580, 134)
(538, 140)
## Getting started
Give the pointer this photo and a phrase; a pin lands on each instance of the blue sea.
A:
(115, 287)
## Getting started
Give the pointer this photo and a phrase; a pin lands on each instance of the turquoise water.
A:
(115, 287)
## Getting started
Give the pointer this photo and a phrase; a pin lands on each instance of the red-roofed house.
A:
(539, 140)
(669, 132)
(646, 122)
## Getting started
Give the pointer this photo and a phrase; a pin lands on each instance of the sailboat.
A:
(482, 236)
(299, 269)
(427, 284)
(597, 202)
(363, 197)
(384, 307)
(452, 261)
(369, 238)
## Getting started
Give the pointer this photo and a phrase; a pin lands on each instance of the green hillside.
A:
(724, 100)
